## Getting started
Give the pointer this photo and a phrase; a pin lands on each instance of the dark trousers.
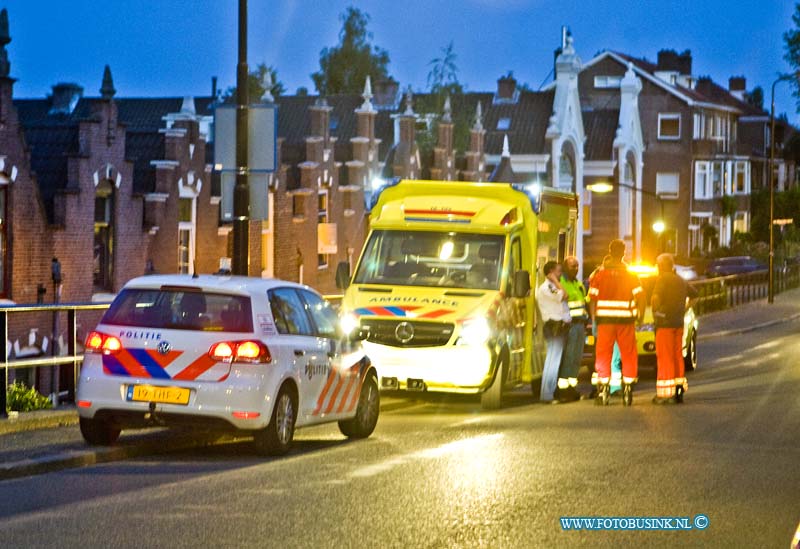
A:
(573, 350)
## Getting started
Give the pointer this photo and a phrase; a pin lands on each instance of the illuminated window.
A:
(322, 217)
(503, 123)
(742, 178)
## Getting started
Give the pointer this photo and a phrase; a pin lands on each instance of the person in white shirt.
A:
(551, 298)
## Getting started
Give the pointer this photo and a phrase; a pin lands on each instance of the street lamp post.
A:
(771, 183)
(241, 190)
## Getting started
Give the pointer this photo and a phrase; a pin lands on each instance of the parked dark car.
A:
(725, 266)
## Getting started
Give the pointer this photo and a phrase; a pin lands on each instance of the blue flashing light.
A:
(533, 192)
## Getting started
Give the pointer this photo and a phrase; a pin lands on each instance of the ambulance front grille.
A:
(410, 334)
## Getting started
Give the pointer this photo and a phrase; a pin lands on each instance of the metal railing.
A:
(724, 292)
(71, 357)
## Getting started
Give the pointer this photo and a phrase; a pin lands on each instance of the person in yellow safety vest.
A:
(615, 386)
(577, 300)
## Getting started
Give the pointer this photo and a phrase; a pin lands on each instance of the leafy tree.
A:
(791, 39)
(443, 83)
(344, 67)
(755, 97)
(444, 72)
(255, 84)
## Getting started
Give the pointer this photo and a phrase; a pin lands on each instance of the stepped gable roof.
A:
(141, 148)
(601, 129)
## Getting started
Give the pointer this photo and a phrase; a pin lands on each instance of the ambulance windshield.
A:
(425, 258)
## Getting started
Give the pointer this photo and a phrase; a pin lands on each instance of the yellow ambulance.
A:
(443, 287)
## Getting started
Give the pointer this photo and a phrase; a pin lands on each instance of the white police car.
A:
(260, 356)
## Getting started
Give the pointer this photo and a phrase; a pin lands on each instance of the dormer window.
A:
(503, 123)
(607, 81)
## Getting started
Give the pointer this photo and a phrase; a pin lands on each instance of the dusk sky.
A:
(174, 47)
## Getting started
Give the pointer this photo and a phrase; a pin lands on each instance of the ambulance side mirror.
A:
(343, 275)
(522, 284)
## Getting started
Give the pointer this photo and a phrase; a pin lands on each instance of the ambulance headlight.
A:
(349, 323)
(475, 332)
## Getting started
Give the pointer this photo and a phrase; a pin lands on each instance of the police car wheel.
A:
(690, 360)
(369, 404)
(98, 432)
(276, 438)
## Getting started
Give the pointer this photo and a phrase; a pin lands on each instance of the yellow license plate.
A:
(151, 393)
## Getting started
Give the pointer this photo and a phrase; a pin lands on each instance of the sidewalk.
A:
(750, 316)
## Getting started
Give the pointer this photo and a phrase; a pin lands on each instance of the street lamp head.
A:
(659, 226)
(600, 187)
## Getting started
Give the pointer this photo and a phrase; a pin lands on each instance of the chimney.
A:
(506, 86)
(737, 85)
(668, 61)
(213, 88)
(685, 63)
(65, 97)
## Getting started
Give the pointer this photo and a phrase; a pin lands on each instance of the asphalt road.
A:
(444, 474)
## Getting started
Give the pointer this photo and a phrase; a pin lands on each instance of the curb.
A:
(737, 331)
(32, 421)
(75, 459)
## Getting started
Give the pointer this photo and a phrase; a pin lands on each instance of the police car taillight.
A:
(240, 351)
(97, 342)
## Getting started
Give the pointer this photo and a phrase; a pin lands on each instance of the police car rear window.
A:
(181, 310)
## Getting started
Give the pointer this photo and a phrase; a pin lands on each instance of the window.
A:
(702, 181)
(740, 222)
(298, 206)
(503, 123)
(103, 235)
(587, 212)
(667, 184)
(607, 81)
(741, 179)
(181, 310)
(698, 126)
(289, 312)
(669, 126)
(186, 235)
(325, 318)
(322, 217)
(716, 179)
(566, 172)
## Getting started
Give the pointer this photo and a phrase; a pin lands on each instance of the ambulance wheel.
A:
(98, 432)
(690, 360)
(369, 407)
(276, 438)
(492, 398)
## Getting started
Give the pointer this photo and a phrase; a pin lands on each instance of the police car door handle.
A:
(299, 352)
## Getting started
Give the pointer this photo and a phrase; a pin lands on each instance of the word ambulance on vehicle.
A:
(258, 356)
(442, 287)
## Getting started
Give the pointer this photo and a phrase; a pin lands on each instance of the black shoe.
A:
(603, 396)
(570, 394)
(591, 395)
(679, 394)
(627, 394)
(665, 400)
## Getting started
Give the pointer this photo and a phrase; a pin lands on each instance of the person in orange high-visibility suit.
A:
(617, 303)
(672, 296)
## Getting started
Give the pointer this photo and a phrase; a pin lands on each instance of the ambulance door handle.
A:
(299, 352)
